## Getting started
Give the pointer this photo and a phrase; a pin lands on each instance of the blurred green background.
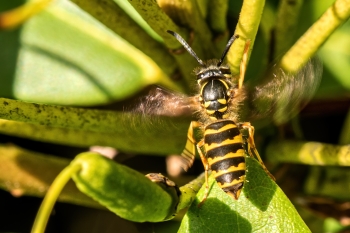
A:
(63, 56)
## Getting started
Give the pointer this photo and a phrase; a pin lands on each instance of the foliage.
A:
(104, 54)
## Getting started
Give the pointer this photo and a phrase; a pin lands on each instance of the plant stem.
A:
(247, 29)
(160, 23)
(217, 16)
(51, 197)
(310, 153)
(317, 34)
(189, 192)
(286, 22)
(188, 13)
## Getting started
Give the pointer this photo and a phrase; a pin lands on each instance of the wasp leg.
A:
(243, 66)
(206, 169)
(252, 148)
(188, 154)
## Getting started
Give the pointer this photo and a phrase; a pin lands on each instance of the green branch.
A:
(319, 32)
(217, 16)
(158, 20)
(247, 29)
(311, 153)
(51, 197)
(189, 192)
(192, 13)
(160, 23)
(286, 24)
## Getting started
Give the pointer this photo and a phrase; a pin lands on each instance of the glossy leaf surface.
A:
(64, 56)
(261, 207)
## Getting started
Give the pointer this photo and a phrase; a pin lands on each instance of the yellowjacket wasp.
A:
(218, 104)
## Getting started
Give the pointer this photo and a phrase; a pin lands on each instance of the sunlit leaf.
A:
(63, 56)
(261, 207)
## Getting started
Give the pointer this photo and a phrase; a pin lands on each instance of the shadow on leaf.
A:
(258, 188)
(216, 216)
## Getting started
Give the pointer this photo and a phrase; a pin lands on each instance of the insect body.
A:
(222, 141)
(223, 144)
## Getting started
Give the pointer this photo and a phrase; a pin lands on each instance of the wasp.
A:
(219, 105)
(222, 147)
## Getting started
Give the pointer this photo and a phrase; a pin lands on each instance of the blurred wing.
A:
(283, 95)
(162, 102)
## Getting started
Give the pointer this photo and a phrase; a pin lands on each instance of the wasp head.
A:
(212, 68)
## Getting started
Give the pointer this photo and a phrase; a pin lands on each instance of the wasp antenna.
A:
(229, 43)
(186, 46)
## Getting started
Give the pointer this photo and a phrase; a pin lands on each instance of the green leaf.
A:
(122, 190)
(127, 7)
(63, 56)
(261, 207)
(126, 131)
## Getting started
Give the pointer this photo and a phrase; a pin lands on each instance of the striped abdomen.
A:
(225, 155)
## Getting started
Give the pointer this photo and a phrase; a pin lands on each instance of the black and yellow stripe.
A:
(214, 98)
(225, 154)
(223, 142)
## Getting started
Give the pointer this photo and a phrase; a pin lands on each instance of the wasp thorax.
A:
(214, 97)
